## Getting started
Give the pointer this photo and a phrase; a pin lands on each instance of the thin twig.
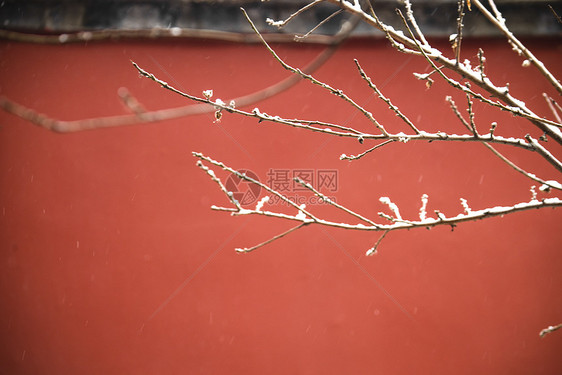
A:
(397, 223)
(544, 152)
(373, 250)
(456, 111)
(62, 126)
(461, 4)
(301, 37)
(328, 124)
(471, 116)
(498, 21)
(554, 107)
(223, 188)
(481, 66)
(333, 203)
(385, 99)
(359, 156)
(249, 249)
(555, 14)
(547, 184)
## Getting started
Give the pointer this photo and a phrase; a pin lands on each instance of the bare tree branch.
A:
(410, 45)
(498, 21)
(397, 222)
(345, 131)
(174, 33)
(144, 116)
(466, 89)
(309, 77)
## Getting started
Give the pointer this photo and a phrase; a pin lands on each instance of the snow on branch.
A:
(282, 23)
(346, 131)
(306, 217)
(549, 329)
(408, 43)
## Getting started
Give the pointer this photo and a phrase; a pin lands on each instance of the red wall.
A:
(112, 261)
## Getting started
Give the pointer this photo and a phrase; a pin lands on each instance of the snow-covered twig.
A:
(414, 23)
(284, 22)
(223, 188)
(393, 207)
(253, 181)
(373, 250)
(397, 222)
(549, 329)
